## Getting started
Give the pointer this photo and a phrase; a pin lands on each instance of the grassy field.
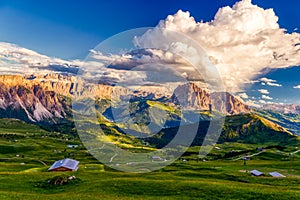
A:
(26, 152)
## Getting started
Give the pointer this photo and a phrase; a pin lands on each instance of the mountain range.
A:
(47, 100)
(38, 98)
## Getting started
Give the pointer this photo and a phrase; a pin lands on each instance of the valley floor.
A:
(26, 152)
(210, 180)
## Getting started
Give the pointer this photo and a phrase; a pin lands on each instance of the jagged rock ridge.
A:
(46, 97)
(191, 96)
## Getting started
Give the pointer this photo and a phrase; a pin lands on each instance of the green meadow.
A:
(26, 152)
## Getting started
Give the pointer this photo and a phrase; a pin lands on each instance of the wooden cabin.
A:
(65, 165)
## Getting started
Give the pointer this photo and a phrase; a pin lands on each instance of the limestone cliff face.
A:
(227, 103)
(190, 96)
(43, 97)
(29, 101)
(68, 86)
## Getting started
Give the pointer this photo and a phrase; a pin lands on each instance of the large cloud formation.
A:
(18, 60)
(243, 41)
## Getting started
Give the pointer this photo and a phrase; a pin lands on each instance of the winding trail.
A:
(111, 159)
(115, 155)
(295, 152)
(248, 156)
(42, 162)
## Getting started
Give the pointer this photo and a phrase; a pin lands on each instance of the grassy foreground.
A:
(26, 152)
(217, 180)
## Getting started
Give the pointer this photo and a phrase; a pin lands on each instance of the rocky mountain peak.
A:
(191, 96)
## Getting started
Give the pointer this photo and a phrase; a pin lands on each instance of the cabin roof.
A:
(66, 163)
(276, 174)
(256, 173)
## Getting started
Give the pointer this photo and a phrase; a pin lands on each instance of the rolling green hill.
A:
(246, 128)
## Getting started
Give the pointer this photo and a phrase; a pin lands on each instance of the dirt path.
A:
(248, 156)
(42, 162)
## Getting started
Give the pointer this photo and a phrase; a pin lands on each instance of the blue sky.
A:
(288, 78)
(68, 29)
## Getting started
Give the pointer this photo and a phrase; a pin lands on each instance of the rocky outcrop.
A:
(30, 102)
(227, 103)
(190, 96)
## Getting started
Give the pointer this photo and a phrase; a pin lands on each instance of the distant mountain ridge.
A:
(290, 121)
(47, 97)
(286, 108)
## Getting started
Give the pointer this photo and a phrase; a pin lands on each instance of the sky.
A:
(69, 29)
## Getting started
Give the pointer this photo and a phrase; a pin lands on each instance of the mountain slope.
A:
(290, 121)
(244, 128)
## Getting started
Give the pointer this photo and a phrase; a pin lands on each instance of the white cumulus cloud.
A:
(262, 101)
(273, 84)
(243, 95)
(242, 41)
(263, 91)
(269, 82)
(266, 97)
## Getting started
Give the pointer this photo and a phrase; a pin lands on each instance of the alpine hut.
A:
(65, 165)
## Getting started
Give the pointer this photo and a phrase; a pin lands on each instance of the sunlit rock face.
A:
(190, 96)
(47, 97)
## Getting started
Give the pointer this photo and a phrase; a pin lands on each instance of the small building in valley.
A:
(72, 146)
(276, 175)
(260, 149)
(65, 165)
(157, 158)
(256, 173)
